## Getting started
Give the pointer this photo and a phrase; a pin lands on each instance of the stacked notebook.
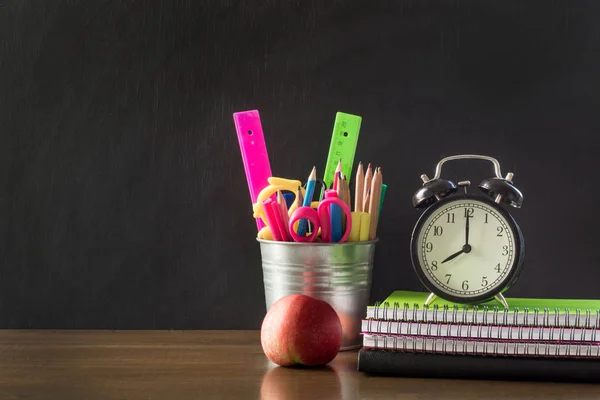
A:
(536, 339)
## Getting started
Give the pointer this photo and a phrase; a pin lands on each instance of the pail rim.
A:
(317, 244)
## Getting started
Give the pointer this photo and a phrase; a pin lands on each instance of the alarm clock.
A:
(466, 247)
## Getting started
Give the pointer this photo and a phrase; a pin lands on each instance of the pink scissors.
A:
(321, 218)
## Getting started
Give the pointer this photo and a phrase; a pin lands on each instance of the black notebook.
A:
(462, 366)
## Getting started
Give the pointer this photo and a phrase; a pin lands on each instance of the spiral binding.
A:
(484, 315)
(471, 331)
(487, 347)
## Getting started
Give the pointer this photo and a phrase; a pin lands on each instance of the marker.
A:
(272, 220)
(356, 226)
(335, 211)
(365, 222)
(283, 210)
(344, 140)
(289, 199)
(254, 153)
(383, 190)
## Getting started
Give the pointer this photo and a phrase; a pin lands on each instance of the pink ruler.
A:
(254, 153)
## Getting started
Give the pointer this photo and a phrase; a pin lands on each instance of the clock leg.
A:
(501, 299)
(430, 299)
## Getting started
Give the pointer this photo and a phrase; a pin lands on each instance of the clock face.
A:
(466, 248)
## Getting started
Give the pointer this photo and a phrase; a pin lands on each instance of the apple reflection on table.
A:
(290, 383)
(336, 380)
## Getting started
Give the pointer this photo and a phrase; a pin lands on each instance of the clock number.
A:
(437, 231)
(499, 229)
(429, 247)
(497, 268)
(434, 265)
(484, 281)
(448, 276)
(486, 217)
(450, 218)
(465, 285)
(504, 250)
(469, 212)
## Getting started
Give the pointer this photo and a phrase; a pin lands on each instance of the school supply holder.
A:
(338, 272)
(322, 248)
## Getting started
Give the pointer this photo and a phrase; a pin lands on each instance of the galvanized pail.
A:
(338, 273)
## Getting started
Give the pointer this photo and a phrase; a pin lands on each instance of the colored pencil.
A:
(366, 200)
(310, 190)
(367, 185)
(339, 168)
(347, 194)
(374, 202)
(344, 195)
(298, 203)
(284, 215)
(359, 188)
(299, 198)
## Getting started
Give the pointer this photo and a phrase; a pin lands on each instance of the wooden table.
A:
(177, 365)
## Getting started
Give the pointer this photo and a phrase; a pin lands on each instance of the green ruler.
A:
(343, 146)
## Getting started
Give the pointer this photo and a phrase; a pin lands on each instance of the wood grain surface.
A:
(212, 365)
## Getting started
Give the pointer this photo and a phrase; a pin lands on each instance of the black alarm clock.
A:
(467, 247)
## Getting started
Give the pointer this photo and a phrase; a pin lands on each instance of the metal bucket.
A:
(338, 273)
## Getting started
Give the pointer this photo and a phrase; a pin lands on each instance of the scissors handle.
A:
(306, 213)
(331, 197)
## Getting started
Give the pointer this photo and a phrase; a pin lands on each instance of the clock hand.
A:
(453, 256)
(467, 232)
(466, 249)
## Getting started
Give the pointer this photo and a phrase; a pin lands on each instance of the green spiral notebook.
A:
(409, 306)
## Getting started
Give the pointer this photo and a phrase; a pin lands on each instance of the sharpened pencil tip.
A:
(369, 166)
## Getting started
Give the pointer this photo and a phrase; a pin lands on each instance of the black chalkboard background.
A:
(122, 193)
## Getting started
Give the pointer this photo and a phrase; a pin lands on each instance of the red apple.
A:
(301, 330)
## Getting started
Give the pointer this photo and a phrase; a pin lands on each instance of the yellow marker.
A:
(365, 225)
(355, 231)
